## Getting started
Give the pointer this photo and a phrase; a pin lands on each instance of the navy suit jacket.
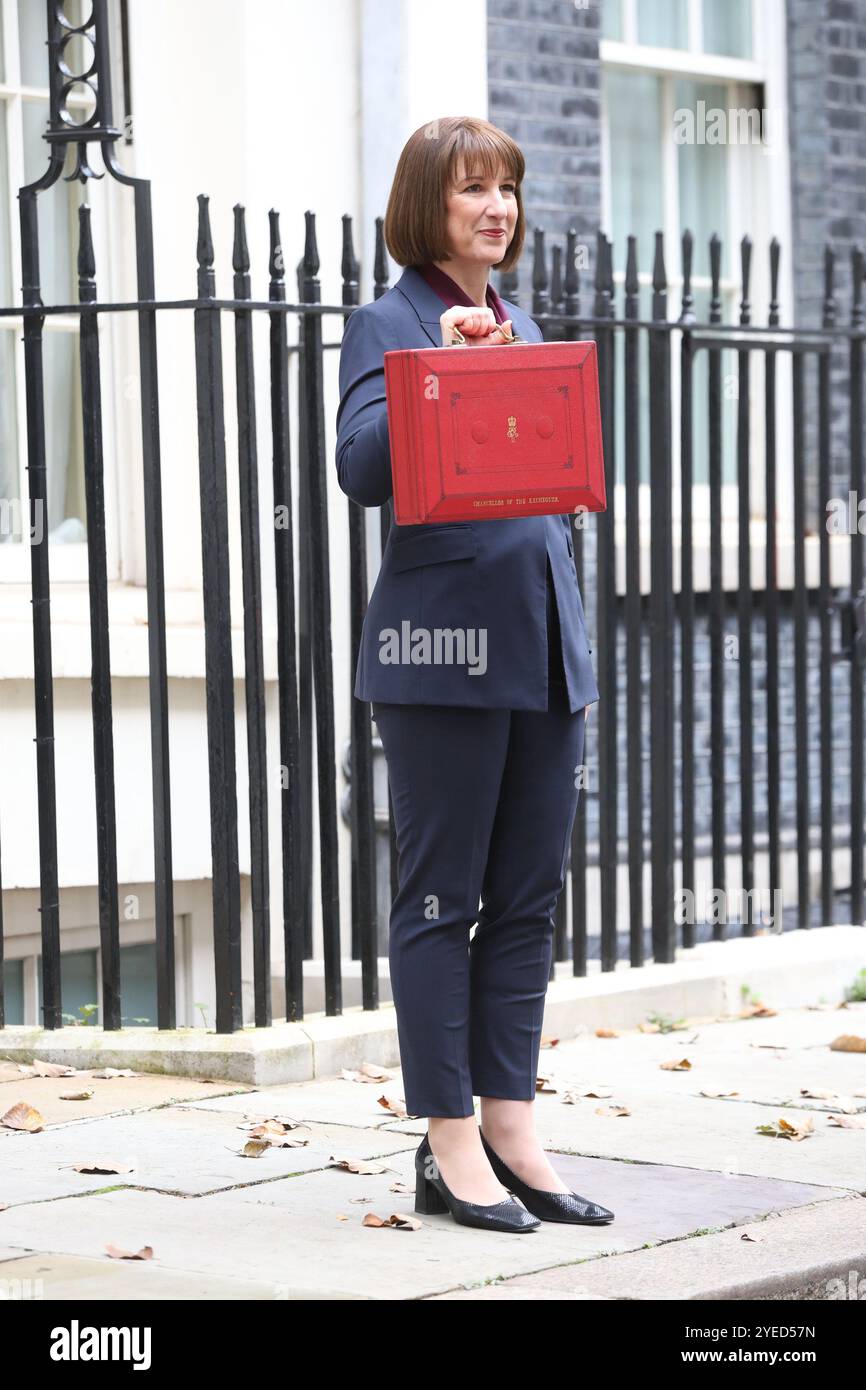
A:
(451, 577)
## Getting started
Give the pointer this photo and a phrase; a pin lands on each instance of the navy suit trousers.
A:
(484, 804)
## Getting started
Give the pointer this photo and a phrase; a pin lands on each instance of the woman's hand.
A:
(478, 326)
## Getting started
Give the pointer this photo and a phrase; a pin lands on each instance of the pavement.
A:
(707, 1207)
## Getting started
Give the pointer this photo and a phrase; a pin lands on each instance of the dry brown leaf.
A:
(396, 1220)
(360, 1165)
(406, 1188)
(784, 1129)
(395, 1107)
(649, 1028)
(612, 1111)
(77, 1095)
(546, 1084)
(254, 1148)
(848, 1042)
(757, 1010)
(22, 1116)
(844, 1103)
(369, 1199)
(717, 1095)
(848, 1121)
(108, 1073)
(549, 1042)
(38, 1068)
(369, 1073)
(341, 1216)
(281, 1123)
(145, 1253)
(682, 1065)
(374, 1072)
(287, 1141)
(606, 1033)
(746, 1236)
(98, 1165)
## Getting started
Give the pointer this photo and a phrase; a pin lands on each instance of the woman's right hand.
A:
(478, 325)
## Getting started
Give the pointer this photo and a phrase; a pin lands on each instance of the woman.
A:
(482, 753)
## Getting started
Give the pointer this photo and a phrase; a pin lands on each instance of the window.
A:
(675, 157)
(721, 27)
(80, 985)
(23, 158)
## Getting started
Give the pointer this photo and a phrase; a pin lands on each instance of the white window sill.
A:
(127, 616)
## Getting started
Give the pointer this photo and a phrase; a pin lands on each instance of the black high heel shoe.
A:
(433, 1197)
(548, 1206)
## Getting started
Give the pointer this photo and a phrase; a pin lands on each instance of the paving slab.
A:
(176, 1149)
(810, 1253)
(111, 1095)
(71, 1278)
(330, 1100)
(307, 1232)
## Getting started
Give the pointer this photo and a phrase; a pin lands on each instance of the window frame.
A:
(761, 218)
(67, 562)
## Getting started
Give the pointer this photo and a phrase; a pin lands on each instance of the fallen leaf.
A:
(575, 1093)
(848, 1121)
(22, 1116)
(549, 1042)
(682, 1065)
(783, 1129)
(717, 1095)
(757, 1010)
(396, 1219)
(406, 1188)
(746, 1236)
(546, 1085)
(606, 1033)
(395, 1107)
(145, 1253)
(108, 1073)
(368, 1072)
(612, 1111)
(282, 1123)
(845, 1103)
(360, 1165)
(254, 1148)
(848, 1042)
(375, 1072)
(76, 1095)
(38, 1068)
(649, 1028)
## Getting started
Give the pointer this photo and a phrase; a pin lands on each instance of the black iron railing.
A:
(630, 727)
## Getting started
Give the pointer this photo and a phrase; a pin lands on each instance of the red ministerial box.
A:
(490, 432)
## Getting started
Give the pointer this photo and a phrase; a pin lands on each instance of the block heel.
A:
(433, 1198)
(428, 1201)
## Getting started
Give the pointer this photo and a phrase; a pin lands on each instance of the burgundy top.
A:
(451, 293)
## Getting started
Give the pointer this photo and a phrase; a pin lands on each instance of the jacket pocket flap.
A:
(432, 548)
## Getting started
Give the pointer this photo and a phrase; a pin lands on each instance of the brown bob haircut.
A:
(414, 227)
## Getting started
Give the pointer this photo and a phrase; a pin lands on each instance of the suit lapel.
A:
(429, 308)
